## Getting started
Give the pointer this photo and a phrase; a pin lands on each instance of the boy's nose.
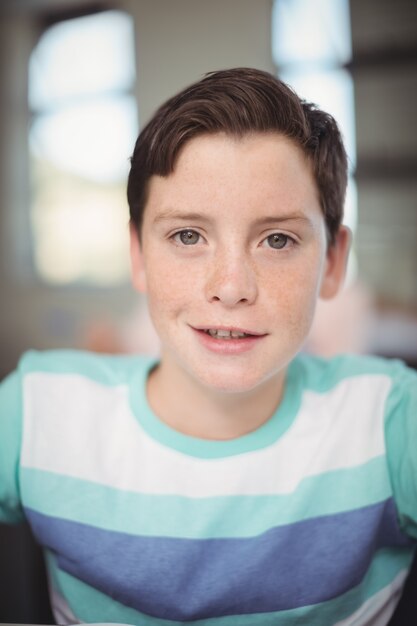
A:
(231, 282)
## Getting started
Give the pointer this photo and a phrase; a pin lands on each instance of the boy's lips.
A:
(227, 339)
(228, 329)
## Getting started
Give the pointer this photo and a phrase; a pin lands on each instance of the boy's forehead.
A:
(209, 146)
(264, 167)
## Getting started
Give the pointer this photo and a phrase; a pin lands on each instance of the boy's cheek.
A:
(172, 280)
(168, 293)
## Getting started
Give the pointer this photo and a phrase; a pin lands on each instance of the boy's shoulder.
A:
(322, 374)
(102, 368)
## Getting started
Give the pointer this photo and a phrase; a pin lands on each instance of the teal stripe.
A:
(10, 440)
(306, 372)
(212, 517)
(89, 605)
(104, 369)
(313, 373)
(321, 374)
(401, 435)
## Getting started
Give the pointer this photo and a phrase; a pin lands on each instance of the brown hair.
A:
(237, 102)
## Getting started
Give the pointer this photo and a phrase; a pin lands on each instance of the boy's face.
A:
(234, 241)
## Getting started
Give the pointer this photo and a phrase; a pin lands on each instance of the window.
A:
(311, 44)
(82, 131)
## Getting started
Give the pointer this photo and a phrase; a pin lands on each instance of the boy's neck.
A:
(190, 408)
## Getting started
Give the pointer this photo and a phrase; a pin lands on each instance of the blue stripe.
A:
(186, 579)
(206, 517)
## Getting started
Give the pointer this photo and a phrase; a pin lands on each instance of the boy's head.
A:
(239, 102)
(236, 194)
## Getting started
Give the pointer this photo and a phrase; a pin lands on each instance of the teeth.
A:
(225, 334)
(222, 333)
(236, 334)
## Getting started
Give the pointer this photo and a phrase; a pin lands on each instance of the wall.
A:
(384, 67)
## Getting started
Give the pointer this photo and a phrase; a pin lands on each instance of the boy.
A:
(235, 481)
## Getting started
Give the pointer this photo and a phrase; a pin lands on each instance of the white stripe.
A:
(78, 427)
(378, 609)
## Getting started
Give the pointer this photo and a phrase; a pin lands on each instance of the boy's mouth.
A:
(228, 341)
(228, 334)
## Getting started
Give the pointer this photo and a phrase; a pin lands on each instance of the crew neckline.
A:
(265, 435)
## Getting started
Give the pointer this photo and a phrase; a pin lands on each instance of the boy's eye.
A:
(277, 241)
(187, 237)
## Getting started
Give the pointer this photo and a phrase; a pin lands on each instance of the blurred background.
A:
(78, 79)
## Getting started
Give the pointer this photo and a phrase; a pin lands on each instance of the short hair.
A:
(238, 102)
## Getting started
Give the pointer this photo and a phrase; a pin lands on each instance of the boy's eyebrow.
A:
(173, 214)
(286, 217)
(261, 221)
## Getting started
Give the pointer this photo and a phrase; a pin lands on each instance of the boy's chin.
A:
(234, 383)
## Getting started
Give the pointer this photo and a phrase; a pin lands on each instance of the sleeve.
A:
(10, 439)
(401, 443)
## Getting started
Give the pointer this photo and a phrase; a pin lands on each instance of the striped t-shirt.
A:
(309, 519)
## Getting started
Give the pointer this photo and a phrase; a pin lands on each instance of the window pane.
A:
(311, 31)
(93, 139)
(80, 229)
(82, 56)
(81, 137)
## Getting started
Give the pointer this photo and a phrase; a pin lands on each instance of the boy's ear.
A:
(137, 262)
(335, 264)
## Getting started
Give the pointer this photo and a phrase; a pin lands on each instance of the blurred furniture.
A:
(23, 584)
